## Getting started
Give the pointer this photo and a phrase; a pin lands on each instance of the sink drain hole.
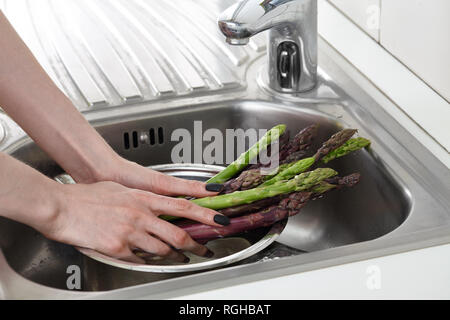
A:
(126, 141)
(135, 139)
(152, 137)
(160, 135)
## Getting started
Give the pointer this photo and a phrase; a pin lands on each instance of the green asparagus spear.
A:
(300, 182)
(293, 170)
(348, 147)
(244, 159)
(252, 178)
(323, 187)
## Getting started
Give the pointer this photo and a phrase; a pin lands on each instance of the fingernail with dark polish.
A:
(214, 187)
(209, 254)
(221, 219)
(186, 260)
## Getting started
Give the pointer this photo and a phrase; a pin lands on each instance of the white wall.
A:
(365, 13)
(416, 32)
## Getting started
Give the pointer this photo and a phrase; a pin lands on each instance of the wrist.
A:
(50, 208)
(102, 168)
(36, 207)
(53, 216)
(26, 195)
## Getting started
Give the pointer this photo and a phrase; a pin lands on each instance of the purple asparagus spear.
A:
(337, 140)
(287, 206)
(264, 218)
(301, 142)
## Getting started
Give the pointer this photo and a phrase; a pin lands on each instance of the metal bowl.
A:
(226, 250)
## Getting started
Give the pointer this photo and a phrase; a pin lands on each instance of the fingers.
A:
(177, 237)
(135, 176)
(184, 208)
(119, 248)
(131, 257)
(172, 186)
(155, 246)
(122, 242)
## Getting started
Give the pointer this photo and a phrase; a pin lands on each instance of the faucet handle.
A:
(289, 65)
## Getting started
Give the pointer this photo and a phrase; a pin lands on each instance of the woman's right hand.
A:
(115, 220)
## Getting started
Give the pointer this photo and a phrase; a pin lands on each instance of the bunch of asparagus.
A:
(254, 197)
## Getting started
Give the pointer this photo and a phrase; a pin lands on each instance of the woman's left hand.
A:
(135, 176)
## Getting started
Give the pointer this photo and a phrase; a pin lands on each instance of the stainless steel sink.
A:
(401, 203)
(376, 207)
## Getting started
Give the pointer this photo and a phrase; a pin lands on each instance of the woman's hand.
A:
(116, 220)
(135, 176)
(105, 216)
(120, 215)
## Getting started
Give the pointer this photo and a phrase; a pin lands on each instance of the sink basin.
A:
(376, 207)
(400, 204)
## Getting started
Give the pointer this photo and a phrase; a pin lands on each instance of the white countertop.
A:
(419, 274)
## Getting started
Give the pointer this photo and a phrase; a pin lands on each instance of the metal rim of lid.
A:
(2, 132)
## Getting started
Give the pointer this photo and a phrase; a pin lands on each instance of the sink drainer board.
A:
(373, 209)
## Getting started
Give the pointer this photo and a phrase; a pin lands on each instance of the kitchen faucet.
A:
(292, 38)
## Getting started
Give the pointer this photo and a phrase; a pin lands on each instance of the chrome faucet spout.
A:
(238, 42)
(292, 40)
